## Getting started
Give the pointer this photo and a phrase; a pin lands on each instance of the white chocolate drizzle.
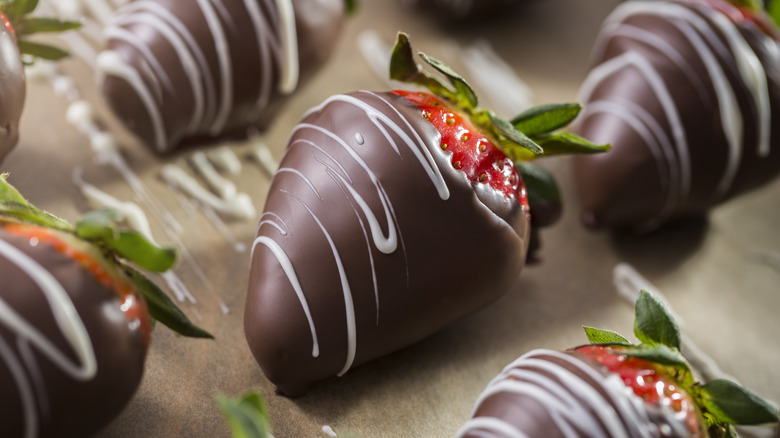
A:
(107, 152)
(213, 97)
(67, 319)
(234, 203)
(385, 241)
(129, 212)
(579, 400)
(262, 154)
(289, 270)
(708, 32)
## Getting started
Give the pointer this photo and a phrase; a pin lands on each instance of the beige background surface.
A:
(721, 275)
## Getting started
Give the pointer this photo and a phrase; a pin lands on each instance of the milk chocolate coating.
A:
(12, 91)
(690, 103)
(359, 157)
(553, 394)
(58, 395)
(200, 76)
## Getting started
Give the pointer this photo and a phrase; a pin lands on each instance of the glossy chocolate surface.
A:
(554, 394)
(70, 360)
(371, 241)
(175, 71)
(690, 102)
(12, 91)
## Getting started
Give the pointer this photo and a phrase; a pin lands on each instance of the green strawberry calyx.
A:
(528, 135)
(531, 134)
(18, 14)
(723, 403)
(129, 249)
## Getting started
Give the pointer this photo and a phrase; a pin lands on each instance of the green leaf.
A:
(100, 226)
(27, 6)
(464, 94)
(519, 145)
(46, 24)
(773, 9)
(539, 183)
(18, 8)
(660, 354)
(43, 51)
(403, 67)
(559, 143)
(729, 402)
(247, 415)
(350, 6)
(161, 308)
(654, 324)
(13, 204)
(601, 336)
(544, 119)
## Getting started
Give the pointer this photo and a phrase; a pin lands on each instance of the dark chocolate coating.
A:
(61, 404)
(455, 253)
(688, 129)
(12, 91)
(237, 77)
(553, 394)
(463, 9)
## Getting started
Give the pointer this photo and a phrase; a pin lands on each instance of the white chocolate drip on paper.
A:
(27, 336)
(107, 152)
(262, 154)
(225, 198)
(135, 217)
(129, 212)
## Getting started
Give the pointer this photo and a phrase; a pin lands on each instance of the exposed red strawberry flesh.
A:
(649, 381)
(131, 304)
(7, 23)
(472, 153)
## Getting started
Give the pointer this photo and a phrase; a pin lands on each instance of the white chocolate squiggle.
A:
(709, 33)
(579, 400)
(69, 322)
(212, 96)
(396, 132)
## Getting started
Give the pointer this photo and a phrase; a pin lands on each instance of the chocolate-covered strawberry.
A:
(614, 388)
(15, 25)
(75, 318)
(463, 9)
(174, 70)
(688, 94)
(391, 215)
